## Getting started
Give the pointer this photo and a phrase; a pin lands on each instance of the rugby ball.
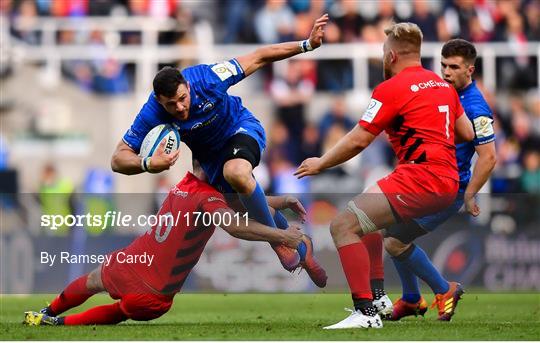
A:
(156, 135)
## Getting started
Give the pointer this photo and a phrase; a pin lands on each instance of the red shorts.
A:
(415, 190)
(137, 300)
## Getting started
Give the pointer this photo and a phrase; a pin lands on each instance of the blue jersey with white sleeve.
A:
(214, 115)
(479, 113)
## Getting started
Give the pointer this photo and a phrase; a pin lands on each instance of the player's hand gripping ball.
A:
(162, 144)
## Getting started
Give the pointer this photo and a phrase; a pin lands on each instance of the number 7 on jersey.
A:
(445, 109)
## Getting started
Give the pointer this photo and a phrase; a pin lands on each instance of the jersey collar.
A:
(468, 88)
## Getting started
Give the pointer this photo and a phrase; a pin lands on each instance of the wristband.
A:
(145, 161)
(305, 46)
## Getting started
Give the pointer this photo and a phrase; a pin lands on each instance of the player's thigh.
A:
(365, 213)
(145, 306)
(375, 205)
(94, 281)
(241, 147)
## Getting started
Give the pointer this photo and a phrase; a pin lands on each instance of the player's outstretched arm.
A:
(345, 149)
(126, 161)
(481, 172)
(464, 129)
(259, 58)
(255, 231)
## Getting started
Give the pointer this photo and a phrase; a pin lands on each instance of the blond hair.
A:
(405, 37)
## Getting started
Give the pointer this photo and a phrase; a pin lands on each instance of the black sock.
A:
(48, 311)
(368, 310)
(361, 303)
(378, 293)
(377, 288)
(60, 320)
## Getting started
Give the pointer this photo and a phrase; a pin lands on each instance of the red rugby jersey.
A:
(418, 111)
(177, 246)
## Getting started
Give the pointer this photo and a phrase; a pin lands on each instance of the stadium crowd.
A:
(292, 137)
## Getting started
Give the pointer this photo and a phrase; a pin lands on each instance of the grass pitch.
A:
(286, 317)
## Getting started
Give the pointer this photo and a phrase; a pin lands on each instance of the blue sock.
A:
(281, 223)
(258, 207)
(280, 220)
(409, 282)
(416, 260)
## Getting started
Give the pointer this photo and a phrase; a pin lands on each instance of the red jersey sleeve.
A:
(212, 201)
(381, 110)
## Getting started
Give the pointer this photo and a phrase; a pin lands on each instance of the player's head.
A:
(457, 62)
(172, 92)
(402, 44)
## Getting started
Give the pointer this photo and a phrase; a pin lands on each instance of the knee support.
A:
(366, 225)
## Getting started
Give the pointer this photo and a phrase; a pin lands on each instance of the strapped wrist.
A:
(145, 164)
(305, 45)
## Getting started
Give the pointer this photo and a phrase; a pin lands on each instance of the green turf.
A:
(287, 317)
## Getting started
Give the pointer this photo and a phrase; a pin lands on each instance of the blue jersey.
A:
(479, 113)
(214, 115)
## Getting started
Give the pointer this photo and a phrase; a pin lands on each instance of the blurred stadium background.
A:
(74, 73)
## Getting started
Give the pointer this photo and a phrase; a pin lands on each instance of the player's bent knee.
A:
(94, 282)
(342, 229)
(394, 246)
(238, 176)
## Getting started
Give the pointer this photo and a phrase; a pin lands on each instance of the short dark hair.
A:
(460, 47)
(167, 80)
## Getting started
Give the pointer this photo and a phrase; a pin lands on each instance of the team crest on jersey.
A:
(208, 106)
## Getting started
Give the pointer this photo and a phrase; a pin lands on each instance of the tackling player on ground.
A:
(146, 293)
(223, 135)
(411, 262)
(420, 113)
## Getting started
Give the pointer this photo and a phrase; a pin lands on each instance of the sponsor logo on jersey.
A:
(372, 110)
(178, 192)
(401, 200)
(131, 133)
(241, 129)
(203, 124)
(483, 127)
(429, 84)
(211, 199)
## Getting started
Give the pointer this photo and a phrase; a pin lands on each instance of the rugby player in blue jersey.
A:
(223, 135)
(411, 262)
